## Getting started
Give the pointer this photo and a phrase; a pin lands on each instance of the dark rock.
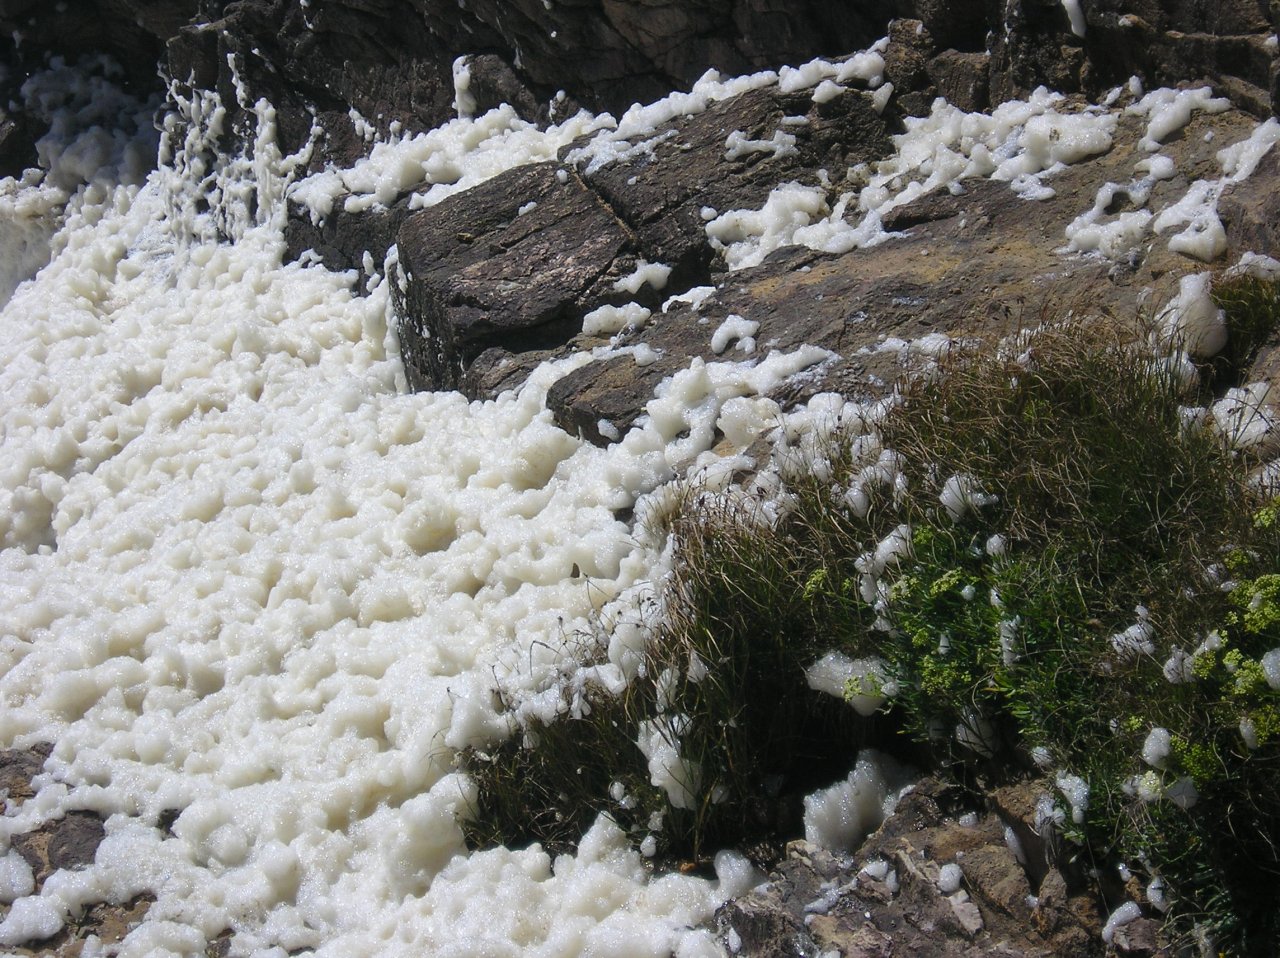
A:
(17, 146)
(18, 766)
(995, 878)
(1016, 806)
(482, 276)
(375, 57)
(959, 26)
(660, 192)
(962, 78)
(67, 842)
(493, 82)
(131, 31)
(1165, 43)
(906, 58)
(391, 59)
(640, 50)
(611, 390)
(816, 902)
(976, 264)
(342, 239)
(497, 370)
(480, 273)
(1036, 47)
(1138, 937)
(1250, 210)
(167, 818)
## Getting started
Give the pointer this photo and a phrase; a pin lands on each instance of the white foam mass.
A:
(1076, 16)
(1168, 111)
(734, 328)
(1192, 320)
(248, 578)
(1126, 913)
(962, 494)
(950, 877)
(840, 817)
(606, 320)
(1248, 418)
(864, 683)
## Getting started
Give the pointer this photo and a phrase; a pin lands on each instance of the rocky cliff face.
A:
(391, 60)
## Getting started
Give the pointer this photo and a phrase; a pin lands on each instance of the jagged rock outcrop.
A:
(969, 264)
(520, 272)
(391, 60)
(935, 881)
(517, 263)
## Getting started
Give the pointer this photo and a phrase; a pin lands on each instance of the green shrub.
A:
(1105, 580)
(1107, 500)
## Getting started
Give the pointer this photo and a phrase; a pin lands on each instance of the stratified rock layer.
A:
(390, 60)
(975, 263)
(521, 271)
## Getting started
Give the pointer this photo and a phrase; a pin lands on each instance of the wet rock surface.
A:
(893, 897)
(391, 60)
(68, 843)
(975, 264)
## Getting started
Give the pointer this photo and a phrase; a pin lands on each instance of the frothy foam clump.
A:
(840, 817)
(248, 579)
(98, 137)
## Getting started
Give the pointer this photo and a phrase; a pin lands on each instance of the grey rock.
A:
(962, 78)
(661, 191)
(816, 902)
(493, 82)
(67, 842)
(480, 274)
(976, 264)
(1250, 210)
(1138, 937)
(18, 766)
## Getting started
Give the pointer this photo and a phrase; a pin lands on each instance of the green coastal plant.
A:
(1087, 583)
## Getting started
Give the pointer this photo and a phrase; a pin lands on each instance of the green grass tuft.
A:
(1109, 573)
(1251, 307)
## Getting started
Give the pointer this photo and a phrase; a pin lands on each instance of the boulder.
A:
(481, 275)
(976, 264)
(520, 268)
(667, 181)
(1250, 210)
